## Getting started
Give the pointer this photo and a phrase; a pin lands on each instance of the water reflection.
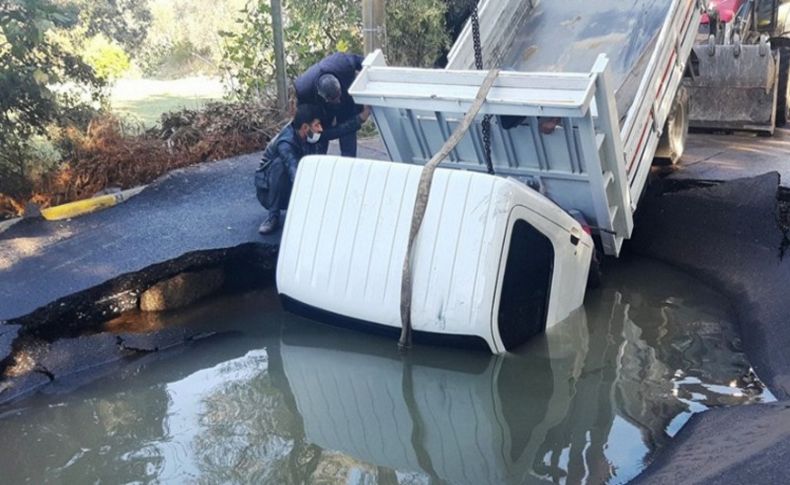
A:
(287, 401)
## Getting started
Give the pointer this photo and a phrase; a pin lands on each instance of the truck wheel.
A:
(673, 140)
(783, 95)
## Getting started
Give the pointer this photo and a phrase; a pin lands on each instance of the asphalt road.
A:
(204, 207)
(729, 157)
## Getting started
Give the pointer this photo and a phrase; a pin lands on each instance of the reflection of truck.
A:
(743, 59)
(577, 115)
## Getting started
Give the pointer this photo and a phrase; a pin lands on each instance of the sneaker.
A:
(271, 224)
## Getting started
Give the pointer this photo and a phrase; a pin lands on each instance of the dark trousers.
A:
(337, 114)
(348, 145)
(273, 186)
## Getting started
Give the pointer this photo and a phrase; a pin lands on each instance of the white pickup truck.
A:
(586, 92)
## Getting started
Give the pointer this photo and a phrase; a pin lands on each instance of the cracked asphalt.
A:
(203, 207)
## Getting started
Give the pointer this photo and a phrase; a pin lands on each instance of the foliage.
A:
(416, 34)
(458, 12)
(125, 22)
(183, 39)
(31, 62)
(107, 58)
(112, 153)
(312, 29)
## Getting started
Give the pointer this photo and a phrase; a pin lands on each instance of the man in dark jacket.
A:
(275, 175)
(326, 84)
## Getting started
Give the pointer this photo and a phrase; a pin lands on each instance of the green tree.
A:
(107, 58)
(183, 38)
(416, 32)
(313, 29)
(31, 63)
(124, 21)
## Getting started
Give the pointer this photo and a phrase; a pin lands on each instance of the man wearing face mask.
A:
(275, 176)
(326, 84)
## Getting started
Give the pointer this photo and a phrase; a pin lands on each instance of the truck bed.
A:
(569, 35)
(604, 72)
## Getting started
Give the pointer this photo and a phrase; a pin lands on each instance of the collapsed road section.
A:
(193, 231)
(89, 330)
(729, 230)
(734, 236)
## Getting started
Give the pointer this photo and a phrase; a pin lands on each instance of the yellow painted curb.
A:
(80, 207)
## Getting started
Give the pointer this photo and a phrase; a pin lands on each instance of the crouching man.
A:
(275, 175)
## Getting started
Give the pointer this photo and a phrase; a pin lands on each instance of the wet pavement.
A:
(274, 398)
(748, 445)
(734, 156)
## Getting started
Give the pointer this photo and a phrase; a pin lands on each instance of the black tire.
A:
(673, 140)
(783, 95)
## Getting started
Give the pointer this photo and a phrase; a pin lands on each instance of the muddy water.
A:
(278, 399)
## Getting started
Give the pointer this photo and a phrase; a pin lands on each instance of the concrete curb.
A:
(81, 207)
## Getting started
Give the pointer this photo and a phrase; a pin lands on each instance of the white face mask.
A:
(313, 138)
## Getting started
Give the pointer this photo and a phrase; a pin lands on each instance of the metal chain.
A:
(486, 125)
(476, 38)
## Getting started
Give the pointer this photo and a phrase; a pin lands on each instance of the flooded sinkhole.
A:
(274, 398)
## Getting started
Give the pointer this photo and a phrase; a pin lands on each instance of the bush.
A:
(416, 32)
(313, 29)
(107, 58)
(112, 153)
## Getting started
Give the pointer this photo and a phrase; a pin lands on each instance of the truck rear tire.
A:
(783, 95)
(673, 141)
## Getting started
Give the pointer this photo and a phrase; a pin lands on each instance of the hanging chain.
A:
(486, 125)
(476, 38)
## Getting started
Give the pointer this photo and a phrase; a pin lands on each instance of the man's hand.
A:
(365, 114)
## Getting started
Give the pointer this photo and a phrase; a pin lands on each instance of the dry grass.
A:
(9, 207)
(111, 154)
